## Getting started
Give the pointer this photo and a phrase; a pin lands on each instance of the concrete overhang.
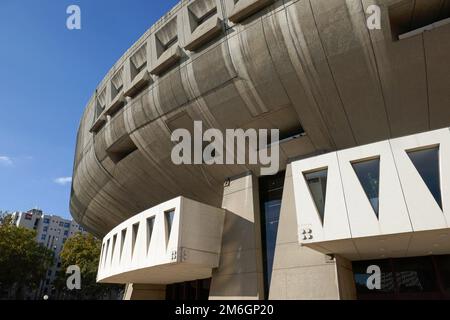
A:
(178, 240)
(409, 220)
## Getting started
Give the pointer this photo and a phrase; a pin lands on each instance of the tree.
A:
(83, 251)
(23, 262)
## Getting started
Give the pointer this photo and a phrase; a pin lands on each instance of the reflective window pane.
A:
(368, 173)
(415, 274)
(169, 220)
(427, 164)
(271, 192)
(317, 184)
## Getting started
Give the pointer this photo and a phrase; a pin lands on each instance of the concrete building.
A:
(364, 178)
(52, 232)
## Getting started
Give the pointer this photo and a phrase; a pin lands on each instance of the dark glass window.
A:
(114, 240)
(427, 164)
(191, 290)
(135, 230)
(368, 173)
(443, 263)
(271, 192)
(415, 274)
(122, 241)
(406, 278)
(317, 184)
(150, 224)
(169, 220)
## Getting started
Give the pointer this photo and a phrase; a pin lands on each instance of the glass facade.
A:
(317, 184)
(368, 173)
(191, 290)
(406, 278)
(271, 192)
(169, 221)
(426, 162)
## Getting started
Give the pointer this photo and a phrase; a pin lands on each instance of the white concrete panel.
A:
(335, 225)
(194, 242)
(393, 214)
(424, 211)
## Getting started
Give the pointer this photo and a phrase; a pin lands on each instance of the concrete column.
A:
(135, 291)
(240, 273)
(300, 272)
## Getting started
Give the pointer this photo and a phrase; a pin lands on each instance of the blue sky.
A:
(47, 75)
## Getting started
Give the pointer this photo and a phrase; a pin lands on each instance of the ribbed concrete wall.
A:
(309, 63)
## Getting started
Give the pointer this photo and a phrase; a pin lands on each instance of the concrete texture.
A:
(285, 64)
(300, 272)
(293, 63)
(240, 273)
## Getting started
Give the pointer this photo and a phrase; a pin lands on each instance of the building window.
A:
(28, 216)
(135, 230)
(122, 241)
(317, 185)
(405, 278)
(45, 229)
(150, 225)
(43, 237)
(46, 220)
(192, 290)
(67, 225)
(271, 192)
(61, 224)
(66, 232)
(169, 215)
(114, 240)
(368, 173)
(426, 162)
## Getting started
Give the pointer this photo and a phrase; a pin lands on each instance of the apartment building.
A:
(52, 232)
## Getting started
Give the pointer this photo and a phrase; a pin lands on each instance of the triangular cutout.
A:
(122, 242)
(169, 215)
(150, 225)
(317, 185)
(426, 162)
(135, 230)
(113, 246)
(368, 173)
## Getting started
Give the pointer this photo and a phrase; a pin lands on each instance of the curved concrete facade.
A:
(310, 68)
(251, 64)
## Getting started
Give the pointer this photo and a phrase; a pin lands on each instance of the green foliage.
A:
(23, 262)
(83, 251)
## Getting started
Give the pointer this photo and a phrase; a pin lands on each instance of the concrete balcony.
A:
(178, 240)
(401, 210)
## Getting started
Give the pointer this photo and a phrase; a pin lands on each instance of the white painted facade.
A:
(410, 221)
(140, 251)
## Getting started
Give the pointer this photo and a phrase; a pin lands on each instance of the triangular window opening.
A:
(368, 173)
(317, 185)
(426, 162)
